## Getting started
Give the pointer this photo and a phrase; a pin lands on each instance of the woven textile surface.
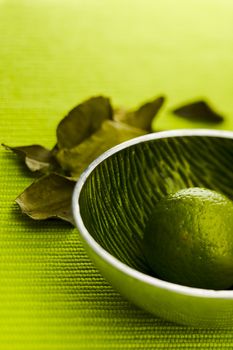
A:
(53, 55)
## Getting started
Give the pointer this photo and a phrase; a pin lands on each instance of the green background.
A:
(54, 54)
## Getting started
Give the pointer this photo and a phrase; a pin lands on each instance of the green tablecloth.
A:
(54, 54)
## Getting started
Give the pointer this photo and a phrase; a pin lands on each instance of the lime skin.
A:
(189, 239)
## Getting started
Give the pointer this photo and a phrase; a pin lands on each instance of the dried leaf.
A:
(141, 118)
(75, 160)
(199, 111)
(36, 157)
(82, 121)
(49, 197)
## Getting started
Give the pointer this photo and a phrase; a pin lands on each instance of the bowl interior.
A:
(118, 196)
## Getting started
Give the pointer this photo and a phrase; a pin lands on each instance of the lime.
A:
(189, 239)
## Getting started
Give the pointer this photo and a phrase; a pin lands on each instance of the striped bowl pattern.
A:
(115, 196)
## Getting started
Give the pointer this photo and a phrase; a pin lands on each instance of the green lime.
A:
(189, 239)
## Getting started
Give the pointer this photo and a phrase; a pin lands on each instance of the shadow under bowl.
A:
(112, 202)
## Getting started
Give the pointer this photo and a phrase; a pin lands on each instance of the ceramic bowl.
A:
(114, 198)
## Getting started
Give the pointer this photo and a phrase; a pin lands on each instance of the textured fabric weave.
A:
(54, 54)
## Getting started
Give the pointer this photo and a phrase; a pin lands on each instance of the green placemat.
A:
(53, 54)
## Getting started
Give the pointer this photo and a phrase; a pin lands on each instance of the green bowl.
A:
(114, 198)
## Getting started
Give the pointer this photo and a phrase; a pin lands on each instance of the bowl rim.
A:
(113, 261)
